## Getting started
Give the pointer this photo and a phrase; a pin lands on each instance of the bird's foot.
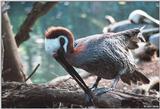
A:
(88, 100)
(100, 91)
(94, 87)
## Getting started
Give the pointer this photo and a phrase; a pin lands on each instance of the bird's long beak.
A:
(140, 34)
(141, 38)
(61, 59)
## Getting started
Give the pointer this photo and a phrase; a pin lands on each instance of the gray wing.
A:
(103, 55)
(117, 52)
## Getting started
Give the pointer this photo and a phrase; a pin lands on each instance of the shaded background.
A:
(82, 18)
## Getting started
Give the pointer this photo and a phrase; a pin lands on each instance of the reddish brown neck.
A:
(54, 32)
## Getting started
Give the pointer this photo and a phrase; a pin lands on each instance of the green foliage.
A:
(83, 18)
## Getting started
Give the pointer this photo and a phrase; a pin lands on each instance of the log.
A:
(21, 95)
(39, 9)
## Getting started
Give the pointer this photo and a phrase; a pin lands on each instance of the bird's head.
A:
(137, 35)
(58, 41)
(133, 37)
(137, 16)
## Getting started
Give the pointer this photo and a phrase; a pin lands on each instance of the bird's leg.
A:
(94, 86)
(103, 90)
(114, 84)
(81, 83)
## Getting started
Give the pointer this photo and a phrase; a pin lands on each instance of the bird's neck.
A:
(71, 48)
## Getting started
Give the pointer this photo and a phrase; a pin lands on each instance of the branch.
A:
(16, 94)
(68, 77)
(39, 9)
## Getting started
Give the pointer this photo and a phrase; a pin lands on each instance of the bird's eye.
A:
(75, 44)
(62, 41)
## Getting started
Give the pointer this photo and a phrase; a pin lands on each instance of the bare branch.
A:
(39, 9)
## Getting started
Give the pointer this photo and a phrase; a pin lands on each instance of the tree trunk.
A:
(2, 54)
(12, 66)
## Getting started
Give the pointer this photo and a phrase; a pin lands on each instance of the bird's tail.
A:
(134, 78)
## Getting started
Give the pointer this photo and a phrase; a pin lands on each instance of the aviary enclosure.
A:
(80, 54)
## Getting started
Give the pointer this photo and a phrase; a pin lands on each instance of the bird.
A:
(136, 18)
(145, 52)
(105, 55)
(147, 88)
(110, 19)
(139, 16)
(154, 39)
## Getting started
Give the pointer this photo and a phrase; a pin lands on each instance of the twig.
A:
(32, 72)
